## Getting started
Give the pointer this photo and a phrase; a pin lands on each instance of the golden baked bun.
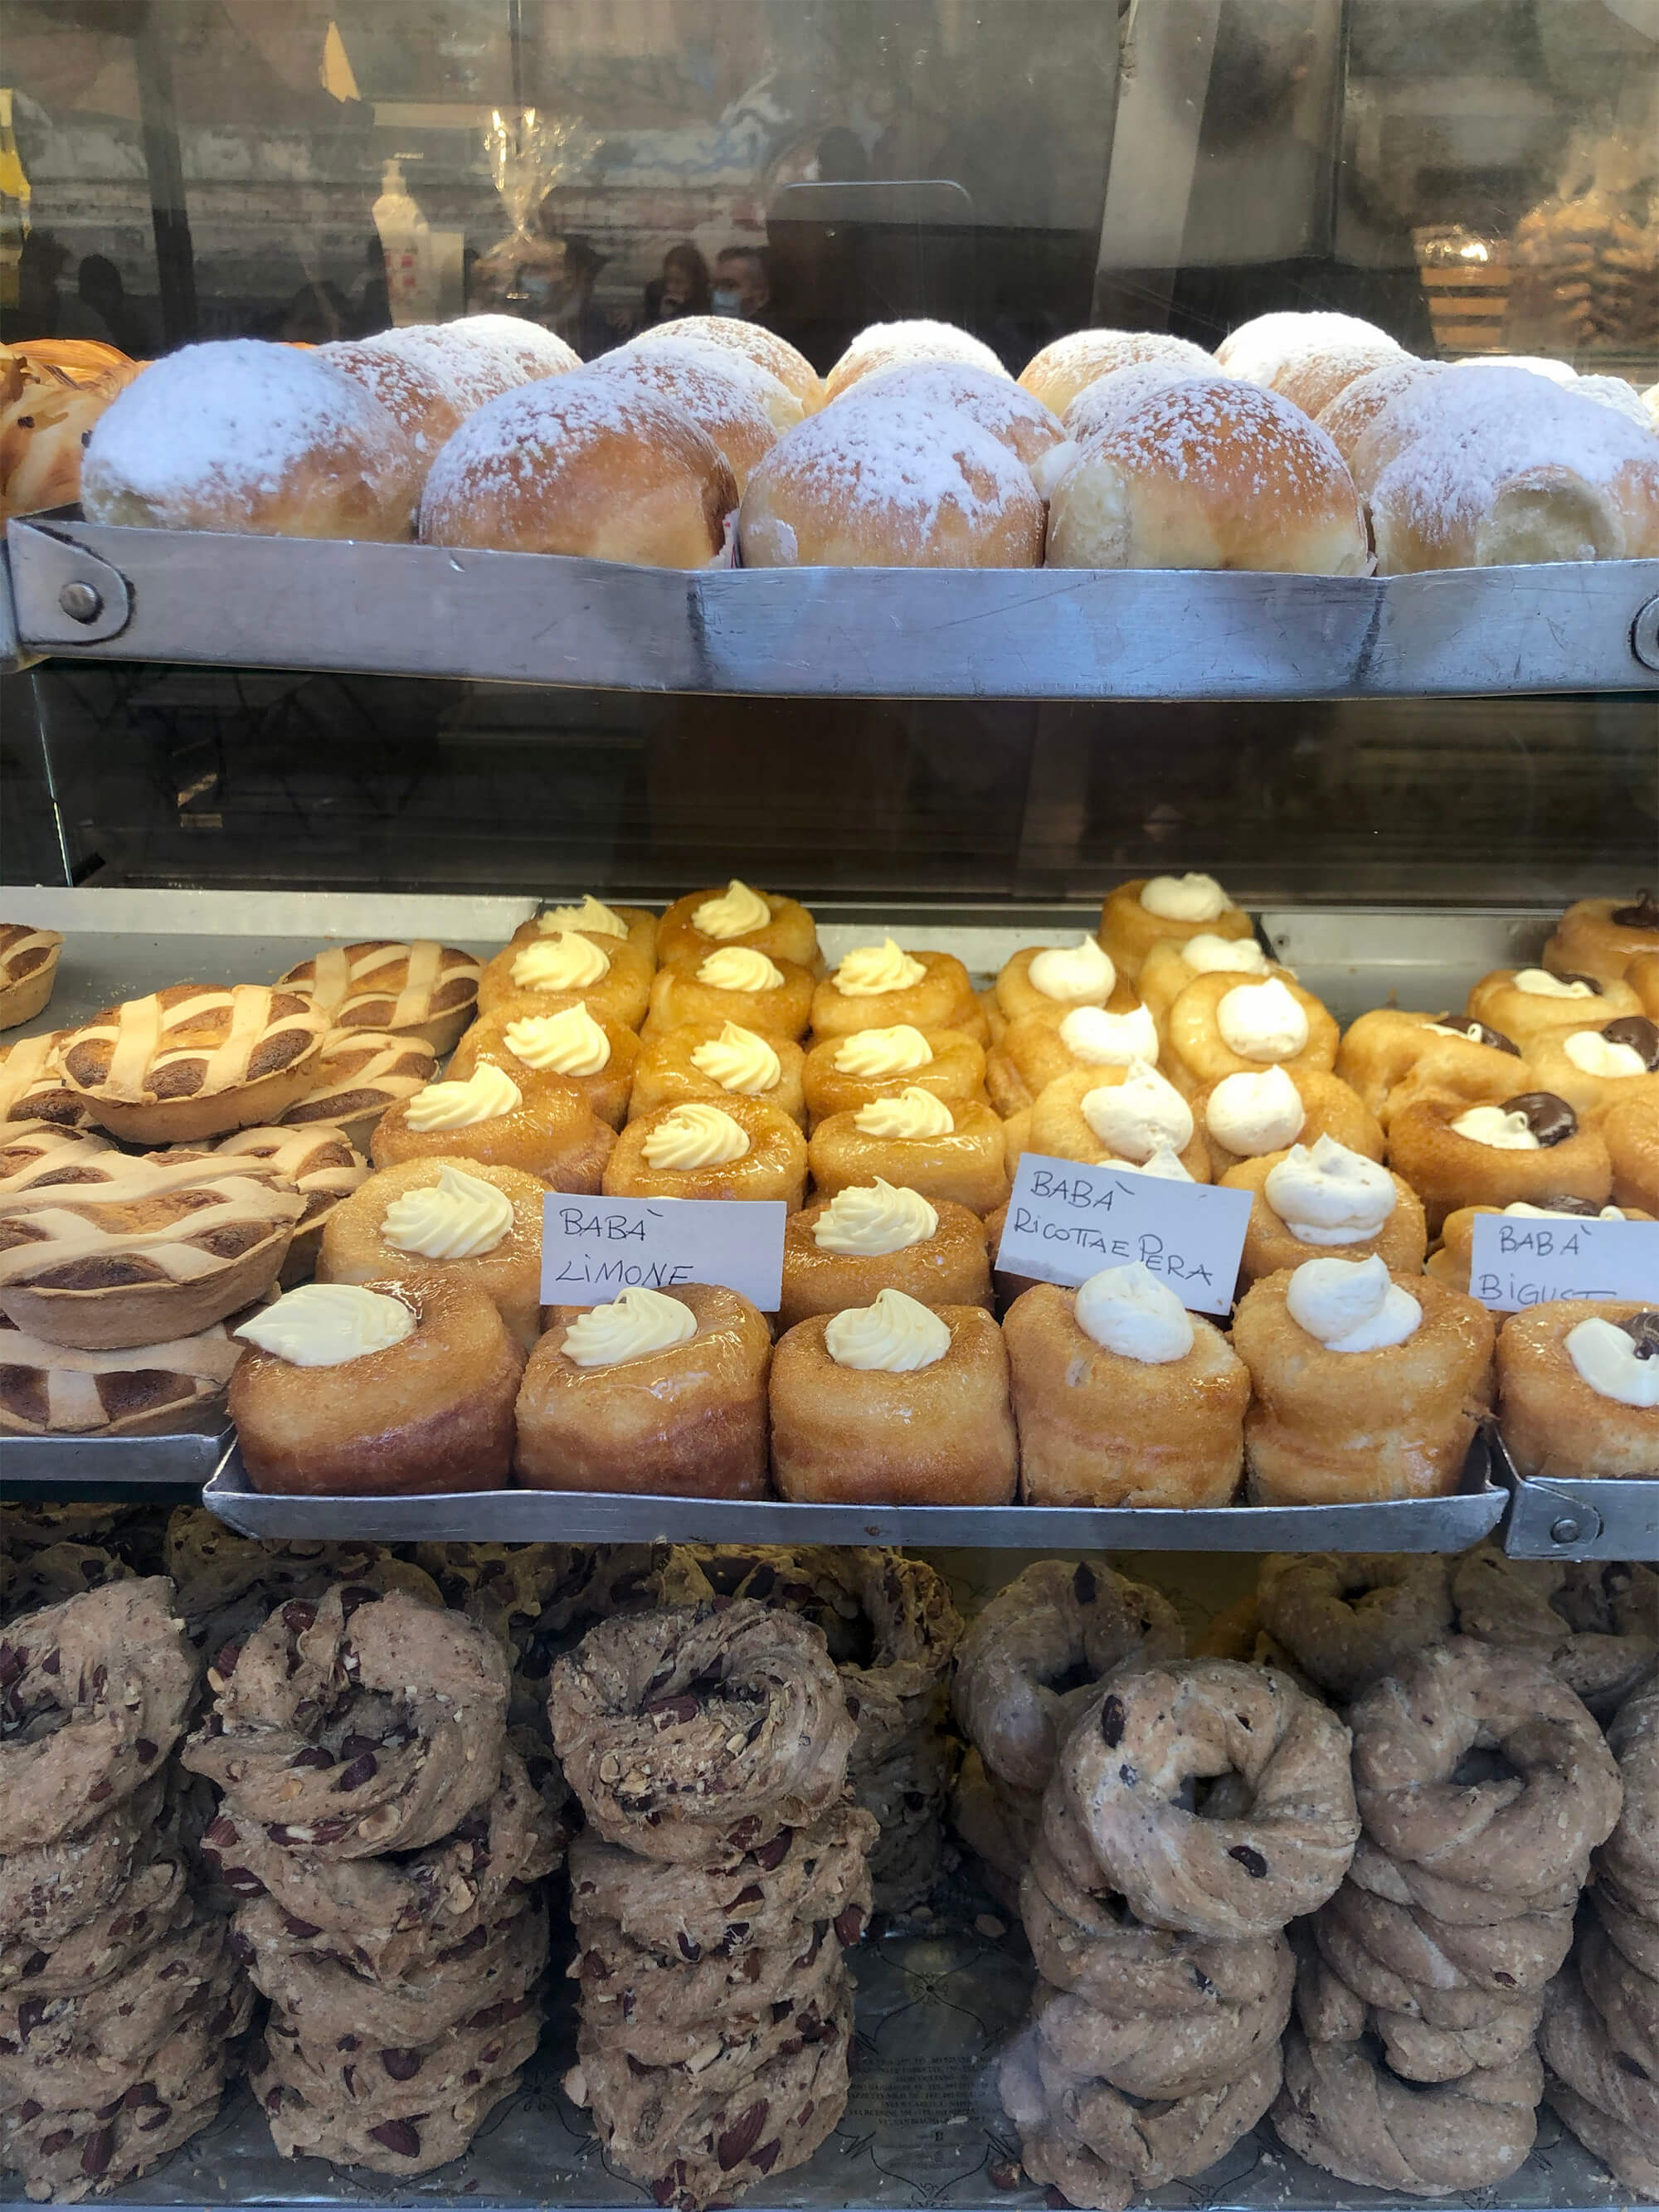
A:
(738, 1148)
(1070, 365)
(475, 1224)
(239, 435)
(733, 983)
(579, 464)
(1101, 406)
(1392, 1056)
(947, 1264)
(1209, 474)
(733, 913)
(595, 1051)
(1642, 978)
(751, 340)
(717, 391)
(1601, 937)
(47, 414)
(551, 1133)
(891, 483)
(1345, 419)
(513, 345)
(1449, 1168)
(888, 345)
(1011, 416)
(419, 394)
(964, 1162)
(1482, 472)
(1262, 349)
(717, 1060)
(1525, 1003)
(553, 969)
(470, 374)
(1067, 976)
(1554, 1421)
(842, 1073)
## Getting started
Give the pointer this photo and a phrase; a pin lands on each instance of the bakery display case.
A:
(830, 1103)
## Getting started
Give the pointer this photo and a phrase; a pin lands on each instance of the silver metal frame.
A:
(1585, 1517)
(90, 591)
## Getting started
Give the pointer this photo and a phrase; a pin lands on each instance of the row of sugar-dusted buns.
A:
(1308, 442)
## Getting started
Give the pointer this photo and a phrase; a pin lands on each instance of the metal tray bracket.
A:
(67, 596)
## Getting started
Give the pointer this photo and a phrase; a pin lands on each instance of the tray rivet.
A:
(80, 602)
(1567, 1530)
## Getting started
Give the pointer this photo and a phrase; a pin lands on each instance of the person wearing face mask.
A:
(742, 286)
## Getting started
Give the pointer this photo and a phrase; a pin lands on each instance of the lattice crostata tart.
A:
(33, 1087)
(36, 1153)
(323, 1166)
(51, 1389)
(194, 1060)
(357, 1075)
(424, 989)
(29, 969)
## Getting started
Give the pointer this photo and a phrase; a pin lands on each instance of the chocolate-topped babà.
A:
(1550, 1119)
(1639, 1035)
(1643, 1330)
(1643, 913)
(1600, 937)
(1477, 1032)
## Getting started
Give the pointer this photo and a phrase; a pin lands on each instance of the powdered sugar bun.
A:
(1063, 370)
(240, 435)
(1345, 419)
(1650, 401)
(471, 373)
(782, 409)
(580, 465)
(1613, 392)
(886, 345)
(419, 395)
(1100, 406)
(891, 483)
(1536, 364)
(697, 380)
(1258, 350)
(512, 341)
(1311, 378)
(1477, 471)
(1013, 418)
(1210, 473)
(753, 342)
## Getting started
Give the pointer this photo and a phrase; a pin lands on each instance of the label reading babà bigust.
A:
(594, 1249)
(1066, 1222)
(1520, 1259)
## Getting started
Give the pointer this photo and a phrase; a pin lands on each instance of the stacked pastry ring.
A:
(1157, 1927)
(1484, 1786)
(723, 1868)
(1595, 1627)
(1345, 1619)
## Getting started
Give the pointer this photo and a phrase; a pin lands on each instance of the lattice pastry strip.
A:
(358, 1074)
(422, 987)
(28, 966)
(53, 1389)
(323, 1166)
(37, 1153)
(159, 1210)
(191, 1040)
(33, 1086)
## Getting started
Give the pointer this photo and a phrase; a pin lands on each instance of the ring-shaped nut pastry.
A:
(942, 1434)
(1024, 1656)
(1151, 2055)
(1629, 1860)
(650, 1709)
(788, 933)
(452, 1236)
(1147, 2141)
(551, 1132)
(1554, 1421)
(1199, 1050)
(94, 1693)
(356, 1724)
(1271, 1242)
(1525, 1003)
(561, 1049)
(949, 1266)
(1631, 1134)
(1596, 1069)
(1031, 1053)
(1099, 1427)
(1612, 2108)
(1600, 937)
(1348, 1618)
(1413, 1730)
(964, 1163)
(1149, 1733)
(681, 997)
(1391, 1057)
(1600, 1643)
(953, 1070)
(1449, 1169)
(543, 974)
(941, 998)
(1128, 930)
(687, 1419)
(1240, 1120)
(1077, 976)
(715, 1062)
(1452, 1259)
(772, 1163)
(1059, 1127)
(430, 1410)
(1509, 1959)
(1327, 1427)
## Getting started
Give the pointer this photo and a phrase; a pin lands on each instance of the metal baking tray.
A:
(91, 591)
(181, 1458)
(1577, 1517)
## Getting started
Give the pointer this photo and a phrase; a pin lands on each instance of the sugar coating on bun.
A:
(419, 394)
(1210, 473)
(1345, 419)
(1258, 350)
(241, 436)
(471, 373)
(782, 407)
(1311, 378)
(751, 340)
(1071, 364)
(1101, 406)
(891, 483)
(1014, 418)
(718, 391)
(580, 465)
(885, 345)
(508, 339)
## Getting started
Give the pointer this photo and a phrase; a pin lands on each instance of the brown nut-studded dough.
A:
(46, 1890)
(1154, 2055)
(1348, 1618)
(1600, 1642)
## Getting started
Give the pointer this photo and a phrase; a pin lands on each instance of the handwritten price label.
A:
(1066, 1222)
(1520, 1259)
(594, 1249)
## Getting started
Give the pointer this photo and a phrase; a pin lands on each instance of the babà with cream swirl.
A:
(595, 1052)
(1032, 1050)
(1595, 1069)
(736, 913)
(442, 1219)
(738, 983)
(1224, 1025)
(1130, 1114)
(1392, 1057)
(1323, 1197)
(1578, 1389)
(882, 985)
(1138, 914)
(1530, 1146)
(845, 1072)
(1523, 1003)
(597, 918)
(719, 1060)
(1600, 937)
(1042, 976)
(551, 1132)
(870, 1238)
(740, 1148)
(1245, 1115)
(916, 1140)
(543, 971)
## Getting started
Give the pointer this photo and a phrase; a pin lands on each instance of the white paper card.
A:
(1517, 1260)
(1066, 1222)
(594, 1249)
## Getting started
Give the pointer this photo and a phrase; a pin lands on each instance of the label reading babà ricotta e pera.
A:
(1520, 1260)
(594, 1248)
(1066, 1222)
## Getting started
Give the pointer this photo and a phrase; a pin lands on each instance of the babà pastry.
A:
(1578, 1388)
(1595, 1069)
(893, 1403)
(33, 1084)
(716, 1060)
(1523, 1003)
(881, 987)
(142, 1250)
(1131, 1114)
(29, 969)
(918, 1142)
(1032, 1051)
(1173, 962)
(560, 968)
(553, 1133)
(744, 1148)
(356, 1390)
(323, 1166)
(1532, 1146)
(595, 918)
(445, 1220)
(842, 1073)
(1040, 977)
(1122, 1397)
(872, 1237)
(1631, 1134)
(761, 921)
(1138, 914)
(1323, 1198)
(734, 983)
(663, 1393)
(1390, 1057)
(1641, 976)
(1366, 1385)
(422, 989)
(50, 1389)
(1453, 1257)
(194, 1061)
(1600, 937)
(1221, 1025)
(356, 1076)
(598, 1055)
(1243, 1116)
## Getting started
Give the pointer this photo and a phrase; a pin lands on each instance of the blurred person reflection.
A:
(43, 309)
(317, 313)
(742, 287)
(97, 282)
(682, 288)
